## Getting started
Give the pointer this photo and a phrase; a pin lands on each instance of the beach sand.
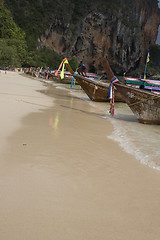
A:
(61, 178)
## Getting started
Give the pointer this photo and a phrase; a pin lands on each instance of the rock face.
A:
(123, 36)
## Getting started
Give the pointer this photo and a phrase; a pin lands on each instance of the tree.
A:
(12, 40)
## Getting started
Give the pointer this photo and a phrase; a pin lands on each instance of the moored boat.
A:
(146, 84)
(97, 91)
(144, 104)
(141, 82)
(67, 79)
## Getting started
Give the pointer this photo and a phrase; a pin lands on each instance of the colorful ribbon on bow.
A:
(73, 79)
(61, 65)
(64, 61)
(111, 94)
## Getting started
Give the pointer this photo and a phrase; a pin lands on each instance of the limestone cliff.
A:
(123, 35)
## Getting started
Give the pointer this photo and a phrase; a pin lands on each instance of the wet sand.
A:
(61, 177)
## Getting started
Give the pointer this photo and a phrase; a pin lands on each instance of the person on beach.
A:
(82, 70)
(47, 73)
(5, 70)
(0, 69)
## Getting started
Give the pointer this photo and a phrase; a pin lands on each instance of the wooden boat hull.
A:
(31, 74)
(145, 105)
(65, 80)
(97, 91)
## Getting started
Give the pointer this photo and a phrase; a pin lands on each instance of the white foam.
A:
(138, 140)
(61, 87)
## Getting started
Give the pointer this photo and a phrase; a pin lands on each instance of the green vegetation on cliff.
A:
(25, 21)
(34, 17)
(12, 40)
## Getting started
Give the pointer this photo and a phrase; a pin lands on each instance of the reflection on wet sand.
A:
(54, 122)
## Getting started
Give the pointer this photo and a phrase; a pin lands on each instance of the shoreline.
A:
(69, 181)
(17, 100)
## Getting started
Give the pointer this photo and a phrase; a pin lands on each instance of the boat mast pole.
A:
(147, 60)
(145, 71)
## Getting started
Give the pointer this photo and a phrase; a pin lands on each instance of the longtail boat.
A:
(144, 104)
(31, 73)
(96, 90)
(147, 84)
(67, 79)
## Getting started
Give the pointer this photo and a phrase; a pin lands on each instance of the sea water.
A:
(140, 140)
